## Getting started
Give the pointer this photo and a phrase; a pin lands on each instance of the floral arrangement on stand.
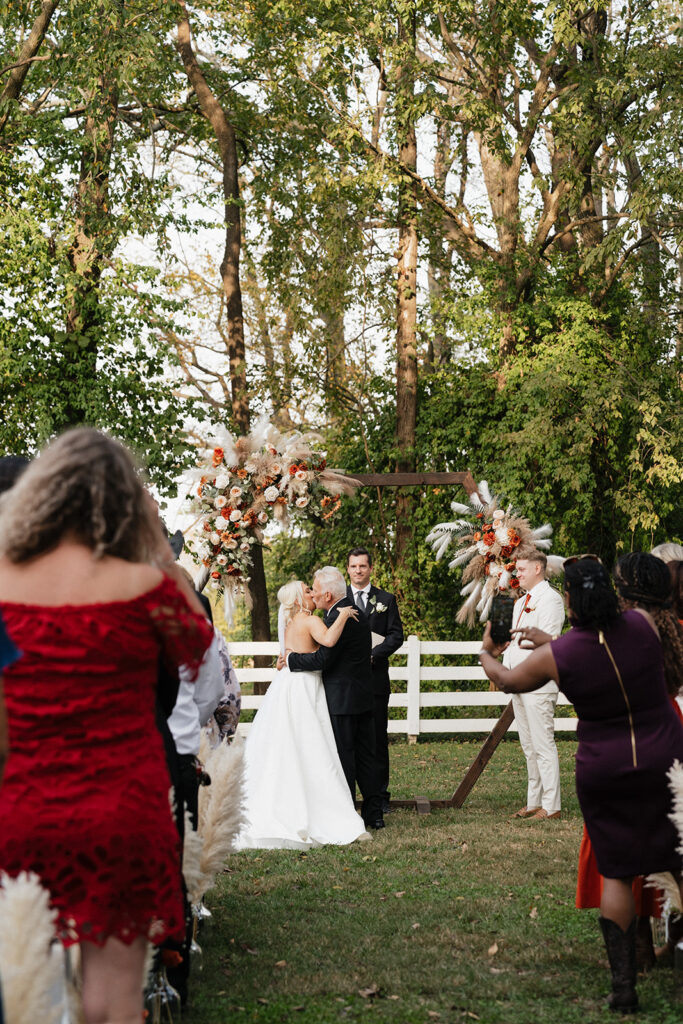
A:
(244, 484)
(491, 540)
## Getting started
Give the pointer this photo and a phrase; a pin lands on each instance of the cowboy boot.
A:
(645, 950)
(621, 953)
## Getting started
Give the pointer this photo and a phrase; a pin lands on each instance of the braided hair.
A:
(643, 581)
(592, 601)
(84, 485)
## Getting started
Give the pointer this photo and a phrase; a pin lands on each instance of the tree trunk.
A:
(230, 275)
(32, 44)
(406, 296)
(93, 240)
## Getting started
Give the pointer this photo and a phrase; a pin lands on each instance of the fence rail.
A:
(415, 697)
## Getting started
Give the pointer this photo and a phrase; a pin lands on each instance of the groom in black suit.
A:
(381, 611)
(347, 678)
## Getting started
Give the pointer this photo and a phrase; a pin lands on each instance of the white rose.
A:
(495, 570)
(231, 544)
(271, 493)
(214, 538)
(301, 474)
(498, 514)
(482, 548)
(235, 515)
(263, 517)
(250, 466)
(235, 492)
(222, 560)
(301, 502)
(221, 501)
(501, 533)
(244, 546)
(276, 468)
(222, 481)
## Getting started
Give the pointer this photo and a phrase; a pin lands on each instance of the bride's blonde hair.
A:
(291, 597)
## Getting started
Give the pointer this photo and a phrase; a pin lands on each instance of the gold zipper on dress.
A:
(601, 637)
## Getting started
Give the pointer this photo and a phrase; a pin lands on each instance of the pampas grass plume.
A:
(221, 805)
(30, 973)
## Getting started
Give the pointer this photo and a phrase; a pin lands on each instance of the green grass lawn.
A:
(454, 916)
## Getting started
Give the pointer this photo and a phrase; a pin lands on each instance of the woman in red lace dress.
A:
(85, 798)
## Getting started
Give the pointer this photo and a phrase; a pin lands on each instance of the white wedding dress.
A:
(296, 792)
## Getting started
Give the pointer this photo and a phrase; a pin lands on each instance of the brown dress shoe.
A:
(541, 813)
(526, 812)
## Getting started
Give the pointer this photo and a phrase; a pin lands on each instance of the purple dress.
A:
(626, 806)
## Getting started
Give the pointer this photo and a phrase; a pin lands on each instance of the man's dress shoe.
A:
(379, 823)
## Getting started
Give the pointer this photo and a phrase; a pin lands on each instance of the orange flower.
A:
(215, 575)
(217, 457)
(208, 527)
(242, 473)
(514, 538)
(226, 536)
(489, 539)
(514, 583)
(507, 550)
(225, 512)
(477, 536)
(171, 958)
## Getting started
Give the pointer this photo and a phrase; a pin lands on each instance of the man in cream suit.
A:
(543, 607)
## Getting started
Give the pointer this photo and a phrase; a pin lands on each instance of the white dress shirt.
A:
(196, 701)
(544, 609)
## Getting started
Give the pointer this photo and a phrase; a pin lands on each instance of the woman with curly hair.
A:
(610, 666)
(90, 594)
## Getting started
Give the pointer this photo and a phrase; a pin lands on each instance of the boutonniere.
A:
(530, 608)
(377, 606)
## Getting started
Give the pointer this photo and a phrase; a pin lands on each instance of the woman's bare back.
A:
(298, 634)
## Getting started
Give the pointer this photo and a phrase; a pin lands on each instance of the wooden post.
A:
(413, 710)
(483, 757)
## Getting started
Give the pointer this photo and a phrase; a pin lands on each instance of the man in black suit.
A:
(381, 611)
(347, 678)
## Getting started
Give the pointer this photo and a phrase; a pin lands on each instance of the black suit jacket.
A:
(347, 674)
(386, 623)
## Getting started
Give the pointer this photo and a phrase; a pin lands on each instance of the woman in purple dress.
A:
(609, 665)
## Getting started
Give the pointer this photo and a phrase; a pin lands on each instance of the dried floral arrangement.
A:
(490, 540)
(244, 484)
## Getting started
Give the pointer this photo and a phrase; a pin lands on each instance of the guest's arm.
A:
(531, 673)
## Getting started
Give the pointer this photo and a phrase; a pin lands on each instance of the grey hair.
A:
(668, 552)
(331, 581)
(85, 485)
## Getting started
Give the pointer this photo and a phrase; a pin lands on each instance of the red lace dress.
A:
(85, 799)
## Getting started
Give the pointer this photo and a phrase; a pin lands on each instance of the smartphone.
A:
(501, 618)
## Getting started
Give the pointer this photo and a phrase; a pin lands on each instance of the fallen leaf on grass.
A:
(369, 992)
(336, 886)
(393, 997)
(464, 847)
(253, 952)
(434, 1014)
(416, 925)
(399, 894)
(368, 857)
(493, 949)
(533, 913)
(297, 1009)
(262, 1001)
(280, 963)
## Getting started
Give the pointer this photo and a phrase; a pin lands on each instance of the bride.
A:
(296, 793)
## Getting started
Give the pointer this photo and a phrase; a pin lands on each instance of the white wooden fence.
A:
(417, 694)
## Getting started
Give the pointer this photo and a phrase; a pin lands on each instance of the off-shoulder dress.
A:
(85, 799)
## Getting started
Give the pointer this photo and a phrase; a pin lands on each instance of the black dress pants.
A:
(381, 718)
(355, 739)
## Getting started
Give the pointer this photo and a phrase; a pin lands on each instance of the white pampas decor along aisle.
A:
(665, 880)
(31, 970)
(221, 816)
